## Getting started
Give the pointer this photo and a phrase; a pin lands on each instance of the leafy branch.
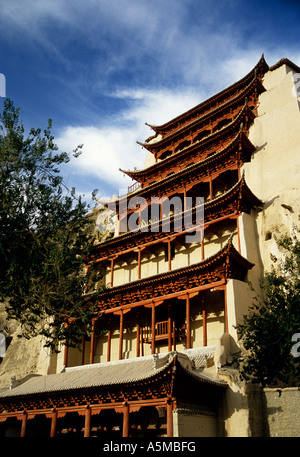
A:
(274, 317)
(45, 236)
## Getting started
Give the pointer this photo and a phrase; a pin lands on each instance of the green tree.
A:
(45, 236)
(273, 319)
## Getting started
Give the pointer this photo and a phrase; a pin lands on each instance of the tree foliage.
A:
(45, 235)
(274, 318)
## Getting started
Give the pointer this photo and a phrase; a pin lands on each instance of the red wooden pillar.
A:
(24, 423)
(139, 251)
(108, 344)
(169, 419)
(210, 188)
(125, 431)
(138, 336)
(202, 245)
(152, 306)
(153, 328)
(53, 423)
(142, 342)
(188, 322)
(87, 422)
(169, 328)
(121, 335)
(112, 272)
(187, 297)
(139, 264)
(169, 255)
(121, 314)
(109, 340)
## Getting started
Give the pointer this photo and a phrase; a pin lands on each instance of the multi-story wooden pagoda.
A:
(172, 289)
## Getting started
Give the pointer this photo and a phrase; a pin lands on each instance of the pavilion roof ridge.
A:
(134, 174)
(203, 162)
(241, 185)
(114, 374)
(152, 146)
(261, 63)
(245, 110)
(210, 113)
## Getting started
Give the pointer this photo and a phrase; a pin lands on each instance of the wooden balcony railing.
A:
(133, 187)
(162, 332)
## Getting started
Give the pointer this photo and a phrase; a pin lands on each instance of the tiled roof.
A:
(103, 374)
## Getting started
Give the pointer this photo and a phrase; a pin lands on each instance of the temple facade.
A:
(195, 226)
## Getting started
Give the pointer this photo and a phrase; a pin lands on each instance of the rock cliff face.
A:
(23, 357)
(105, 221)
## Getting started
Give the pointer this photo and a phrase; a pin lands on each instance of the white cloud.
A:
(109, 147)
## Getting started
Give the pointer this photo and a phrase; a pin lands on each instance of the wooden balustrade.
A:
(161, 332)
(133, 187)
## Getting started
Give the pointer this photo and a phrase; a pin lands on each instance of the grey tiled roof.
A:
(103, 374)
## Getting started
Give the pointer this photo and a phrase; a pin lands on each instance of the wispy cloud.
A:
(112, 145)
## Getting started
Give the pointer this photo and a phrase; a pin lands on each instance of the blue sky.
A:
(100, 69)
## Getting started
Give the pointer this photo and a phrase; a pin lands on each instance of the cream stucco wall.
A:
(273, 174)
(191, 424)
(281, 410)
